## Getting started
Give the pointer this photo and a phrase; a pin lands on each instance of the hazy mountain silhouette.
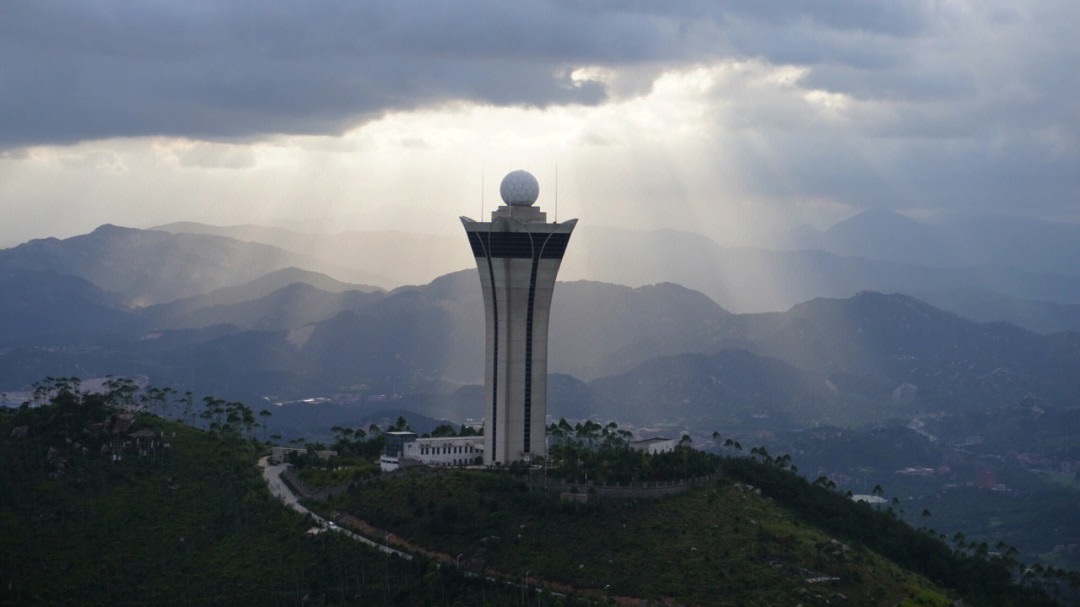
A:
(149, 267)
(732, 389)
(951, 361)
(864, 359)
(746, 279)
(881, 234)
(742, 279)
(983, 306)
(389, 258)
(45, 308)
(288, 307)
(290, 332)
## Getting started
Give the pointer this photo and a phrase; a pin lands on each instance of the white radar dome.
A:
(519, 189)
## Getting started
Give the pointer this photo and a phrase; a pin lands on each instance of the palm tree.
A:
(265, 414)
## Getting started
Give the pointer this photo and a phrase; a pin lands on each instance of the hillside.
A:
(192, 523)
(104, 505)
(979, 490)
(732, 389)
(255, 289)
(952, 362)
(43, 307)
(288, 307)
(756, 536)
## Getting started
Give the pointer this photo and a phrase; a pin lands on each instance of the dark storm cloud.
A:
(958, 105)
(73, 71)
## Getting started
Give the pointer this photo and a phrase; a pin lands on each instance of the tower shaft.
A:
(518, 256)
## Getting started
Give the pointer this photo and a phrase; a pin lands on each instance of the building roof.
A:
(439, 439)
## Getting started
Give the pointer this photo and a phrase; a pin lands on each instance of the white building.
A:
(518, 254)
(393, 448)
(445, 451)
(653, 446)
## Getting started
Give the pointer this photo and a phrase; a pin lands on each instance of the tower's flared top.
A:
(519, 189)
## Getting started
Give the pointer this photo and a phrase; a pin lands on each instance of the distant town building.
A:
(518, 255)
(653, 446)
(986, 479)
(916, 471)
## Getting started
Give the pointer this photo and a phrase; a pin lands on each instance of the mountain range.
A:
(654, 353)
(958, 241)
(740, 279)
(148, 267)
(318, 344)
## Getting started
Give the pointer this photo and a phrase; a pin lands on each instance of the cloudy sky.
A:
(731, 118)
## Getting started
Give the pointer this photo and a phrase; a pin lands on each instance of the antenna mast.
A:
(556, 192)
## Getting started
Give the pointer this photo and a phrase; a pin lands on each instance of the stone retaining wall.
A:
(581, 491)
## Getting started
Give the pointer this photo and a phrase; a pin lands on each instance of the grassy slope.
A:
(195, 525)
(716, 546)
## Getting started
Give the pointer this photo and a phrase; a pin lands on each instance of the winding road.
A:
(272, 475)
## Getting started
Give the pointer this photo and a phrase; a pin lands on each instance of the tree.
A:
(265, 415)
(444, 430)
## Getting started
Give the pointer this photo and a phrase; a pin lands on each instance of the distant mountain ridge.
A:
(290, 333)
(45, 307)
(149, 267)
(407, 254)
(282, 299)
(740, 279)
(881, 234)
(985, 306)
(649, 354)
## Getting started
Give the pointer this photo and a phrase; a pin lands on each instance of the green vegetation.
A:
(1036, 511)
(324, 473)
(759, 535)
(978, 577)
(720, 545)
(191, 523)
(104, 503)
(589, 452)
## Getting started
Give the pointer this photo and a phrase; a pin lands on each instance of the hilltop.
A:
(105, 505)
(751, 532)
(104, 501)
